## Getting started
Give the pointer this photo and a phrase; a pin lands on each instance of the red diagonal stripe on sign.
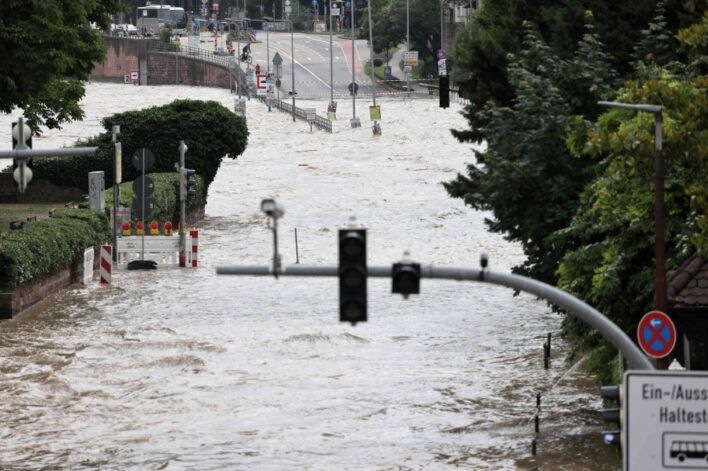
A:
(106, 264)
(656, 335)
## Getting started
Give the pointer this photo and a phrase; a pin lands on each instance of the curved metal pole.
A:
(573, 305)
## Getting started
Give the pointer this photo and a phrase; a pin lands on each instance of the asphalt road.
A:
(312, 64)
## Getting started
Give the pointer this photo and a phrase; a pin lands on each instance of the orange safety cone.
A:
(126, 228)
(139, 229)
(167, 228)
(154, 228)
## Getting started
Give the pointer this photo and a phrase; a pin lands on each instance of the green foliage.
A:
(613, 265)
(527, 176)
(656, 44)
(481, 48)
(165, 197)
(49, 245)
(210, 131)
(389, 27)
(47, 49)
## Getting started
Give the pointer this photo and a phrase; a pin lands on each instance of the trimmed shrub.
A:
(209, 129)
(49, 245)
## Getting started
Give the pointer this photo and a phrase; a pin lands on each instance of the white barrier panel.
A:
(162, 249)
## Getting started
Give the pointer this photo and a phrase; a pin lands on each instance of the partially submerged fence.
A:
(320, 121)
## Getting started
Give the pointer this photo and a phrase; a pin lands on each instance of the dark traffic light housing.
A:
(405, 278)
(28, 141)
(444, 91)
(191, 191)
(614, 415)
(352, 275)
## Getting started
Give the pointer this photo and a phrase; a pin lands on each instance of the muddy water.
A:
(181, 369)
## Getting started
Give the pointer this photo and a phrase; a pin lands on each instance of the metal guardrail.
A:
(320, 121)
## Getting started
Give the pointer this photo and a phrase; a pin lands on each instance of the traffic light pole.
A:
(22, 153)
(572, 305)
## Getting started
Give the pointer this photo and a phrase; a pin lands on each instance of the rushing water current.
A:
(182, 369)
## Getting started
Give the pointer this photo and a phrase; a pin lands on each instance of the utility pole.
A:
(441, 24)
(331, 58)
(292, 63)
(117, 180)
(371, 56)
(408, 44)
(182, 207)
(267, 26)
(353, 76)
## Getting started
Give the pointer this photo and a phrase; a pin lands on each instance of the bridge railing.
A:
(195, 52)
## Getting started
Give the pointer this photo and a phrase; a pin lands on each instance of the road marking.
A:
(306, 69)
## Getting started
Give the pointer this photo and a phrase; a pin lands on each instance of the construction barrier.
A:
(106, 264)
(160, 248)
(195, 248)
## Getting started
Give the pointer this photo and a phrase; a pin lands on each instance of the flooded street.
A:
(180, 369)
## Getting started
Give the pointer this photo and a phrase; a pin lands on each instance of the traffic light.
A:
(21, 140)
(614, 415)
(444, 91)
(405, 278)
(352, 275)
(27, 135)
(191, 191)
(186, 183)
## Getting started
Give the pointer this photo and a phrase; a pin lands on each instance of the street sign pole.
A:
(117, 179)
(182, 208)
(331, 58)
(292, 64)
(142, 202)
(408, 44)
(353, 68)
(371, 56)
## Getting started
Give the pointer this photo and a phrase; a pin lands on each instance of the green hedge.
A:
(49, 245)
(210, 130)
(165, 198)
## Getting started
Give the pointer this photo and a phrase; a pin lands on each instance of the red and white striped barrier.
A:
(106, 264)
(195, 247)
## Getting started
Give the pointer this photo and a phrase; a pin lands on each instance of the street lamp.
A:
(660, 288)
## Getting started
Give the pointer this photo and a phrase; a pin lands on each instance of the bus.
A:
(152, 18)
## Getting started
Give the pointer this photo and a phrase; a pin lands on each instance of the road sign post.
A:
(666, 414)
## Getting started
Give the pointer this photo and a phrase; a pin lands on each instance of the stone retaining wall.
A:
(30, 293)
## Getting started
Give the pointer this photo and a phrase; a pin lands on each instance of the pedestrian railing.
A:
(194, 52)
(320, 121)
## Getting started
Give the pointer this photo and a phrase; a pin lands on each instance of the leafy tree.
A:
(481, 48)
(527, 176)
(47, 48)
(389, 27)
(613, 265)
